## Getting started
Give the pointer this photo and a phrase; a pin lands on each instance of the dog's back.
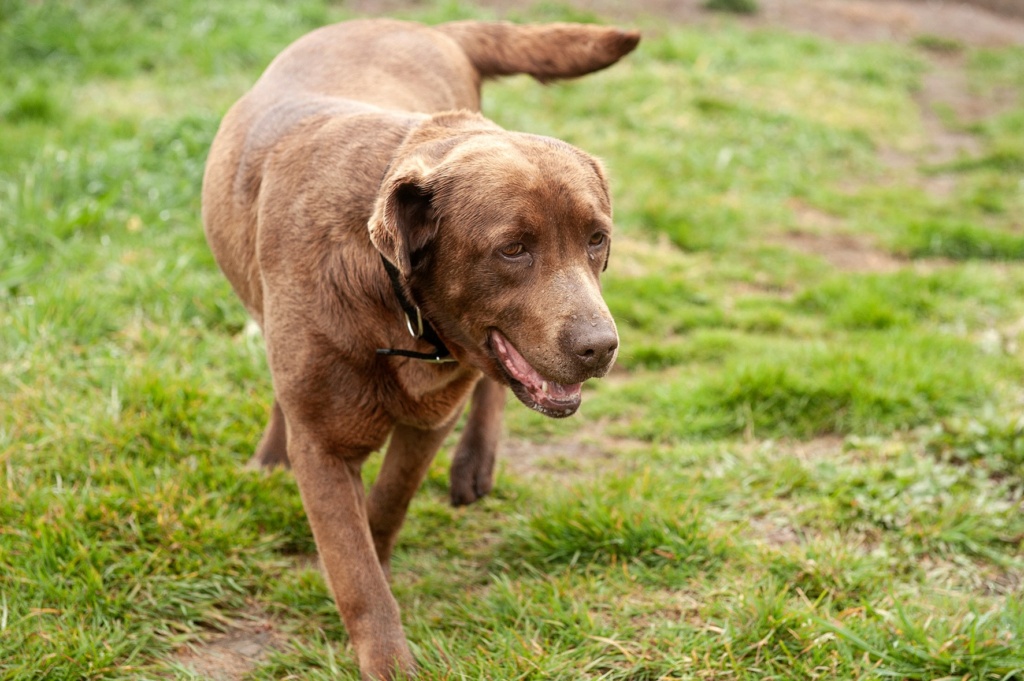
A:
(386, 68)
(411, 67)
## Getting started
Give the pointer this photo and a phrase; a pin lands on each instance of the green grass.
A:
(797, 470)
(735, 6)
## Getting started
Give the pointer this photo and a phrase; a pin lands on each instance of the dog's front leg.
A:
(472, 472)
(406, 463)
(328, 475)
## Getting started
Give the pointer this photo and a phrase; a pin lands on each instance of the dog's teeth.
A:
(544, 386)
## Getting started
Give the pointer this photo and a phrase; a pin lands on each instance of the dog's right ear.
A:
(403, 220)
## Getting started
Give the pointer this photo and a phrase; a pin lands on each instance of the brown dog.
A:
(369, 220)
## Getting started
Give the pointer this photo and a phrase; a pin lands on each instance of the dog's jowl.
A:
(403, 255)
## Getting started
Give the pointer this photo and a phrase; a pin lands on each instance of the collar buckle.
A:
(414, 331)
(421, 329)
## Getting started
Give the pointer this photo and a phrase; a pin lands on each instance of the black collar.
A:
(417, 325)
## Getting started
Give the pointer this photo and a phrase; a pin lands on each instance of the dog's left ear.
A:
(403, 218)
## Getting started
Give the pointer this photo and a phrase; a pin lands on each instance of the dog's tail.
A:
(545, 51)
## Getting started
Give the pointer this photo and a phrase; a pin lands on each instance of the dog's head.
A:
(502, 238)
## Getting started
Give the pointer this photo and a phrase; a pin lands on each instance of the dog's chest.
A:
(428, 396)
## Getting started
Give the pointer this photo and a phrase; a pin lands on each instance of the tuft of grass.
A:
(616, 525)
(733, 6)
(871, 301)
(958, 240)
(31, 102)
(833, 571)
(976, 644)
(885, 381)
(991, 440)
(938, 44)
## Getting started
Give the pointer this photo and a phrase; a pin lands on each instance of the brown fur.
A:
(360, 140)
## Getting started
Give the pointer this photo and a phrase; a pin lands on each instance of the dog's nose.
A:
(596, 345)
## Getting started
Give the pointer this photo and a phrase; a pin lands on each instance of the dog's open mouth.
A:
(550, 398)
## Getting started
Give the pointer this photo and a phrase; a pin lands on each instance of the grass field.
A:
(809, 462)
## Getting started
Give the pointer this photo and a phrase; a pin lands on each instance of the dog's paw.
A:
(464, 492)
(386, 660)
(472, 476)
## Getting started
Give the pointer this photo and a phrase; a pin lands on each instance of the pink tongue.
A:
(541, 389)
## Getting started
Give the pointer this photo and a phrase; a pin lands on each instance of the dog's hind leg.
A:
(408, 457)
(472, 471)
(273, 447)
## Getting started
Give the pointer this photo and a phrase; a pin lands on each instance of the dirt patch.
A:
(567, 460)
(889, 20)
(773, 532)
(825, 447)
(809, 217)
(948, 86)
(1010, 8)
(948, 104)
(845, 252)
(945, 88)
(821, 234)
(231, 655)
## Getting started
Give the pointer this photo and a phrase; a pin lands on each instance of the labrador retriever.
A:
(401, 252)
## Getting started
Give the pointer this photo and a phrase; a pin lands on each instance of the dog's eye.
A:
(598, 239)
(513, 250)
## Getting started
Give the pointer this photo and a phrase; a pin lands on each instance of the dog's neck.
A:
(417, 325)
